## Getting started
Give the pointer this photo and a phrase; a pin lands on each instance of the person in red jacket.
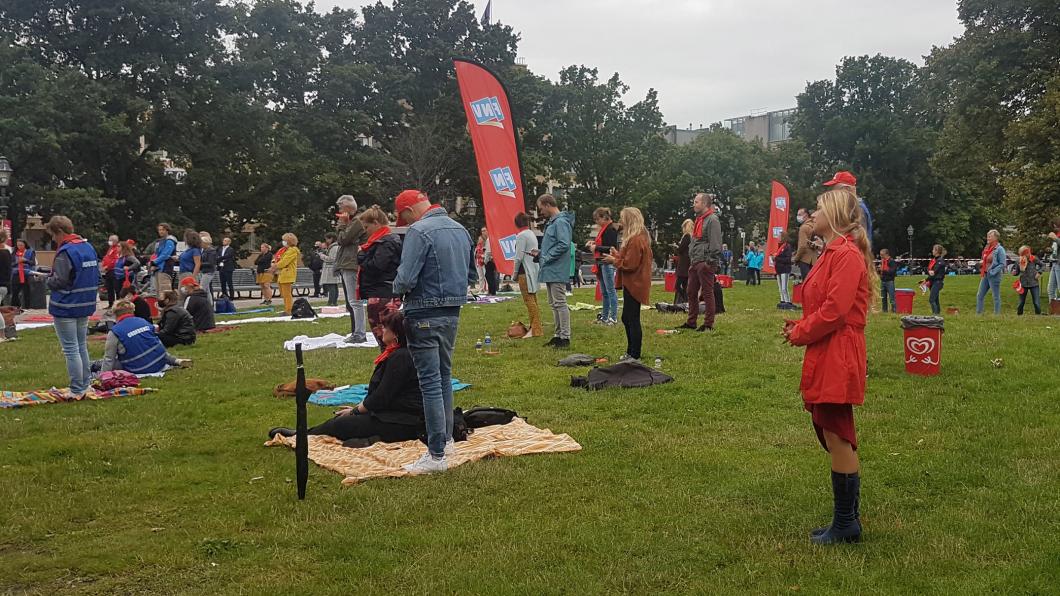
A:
(836, 298)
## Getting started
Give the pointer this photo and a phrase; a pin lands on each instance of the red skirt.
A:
(835, 418)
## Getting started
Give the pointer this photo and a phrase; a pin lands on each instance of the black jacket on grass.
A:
(394, 392)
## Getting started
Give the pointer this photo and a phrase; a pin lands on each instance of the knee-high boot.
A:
(846, 527)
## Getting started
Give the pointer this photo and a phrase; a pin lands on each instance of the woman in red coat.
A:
(836, 298)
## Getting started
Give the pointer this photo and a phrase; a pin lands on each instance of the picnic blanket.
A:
(49, 319)
(584, 306)
(489, 299)
(247, 311)
(351, 395)
(331, 340)
(386, 460)
(284, 319)
(19, 399)
(24, 326)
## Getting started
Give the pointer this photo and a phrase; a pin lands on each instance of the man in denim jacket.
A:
(437, 266)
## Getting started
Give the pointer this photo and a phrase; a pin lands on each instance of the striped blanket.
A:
(20, 399)
(387, 460)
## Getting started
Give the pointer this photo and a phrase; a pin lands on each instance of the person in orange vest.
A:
(836, 302)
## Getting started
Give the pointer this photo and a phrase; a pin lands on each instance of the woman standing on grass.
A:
(633, 263)
(991, 269)
(265, 277)
(836, 300)
(379, 258)
(683, 262)
(286, 269)
(24, 263)
(782, 265)
(936, 277)
(526, 270)
(191, 259)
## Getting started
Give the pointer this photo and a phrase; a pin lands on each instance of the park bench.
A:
(244, 281)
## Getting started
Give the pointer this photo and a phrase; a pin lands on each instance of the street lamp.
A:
(471, 209)
(909, 231)
(732, 229)
(5, 181)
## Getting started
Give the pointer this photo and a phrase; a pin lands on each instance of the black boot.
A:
(857, 515)
(846, 491)
(283, 432)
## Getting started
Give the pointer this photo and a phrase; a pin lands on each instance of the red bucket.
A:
(904, 301)
(670, 280)
(923, 351)
(724, 281)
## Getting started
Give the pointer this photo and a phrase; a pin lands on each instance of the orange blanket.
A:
(386, 460)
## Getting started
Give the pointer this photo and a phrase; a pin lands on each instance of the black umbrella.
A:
(301, 448)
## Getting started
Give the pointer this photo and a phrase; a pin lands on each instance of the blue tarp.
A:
(355, 394)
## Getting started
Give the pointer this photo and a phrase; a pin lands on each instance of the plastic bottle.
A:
(488, 344)
(658, 363)
(478, 345)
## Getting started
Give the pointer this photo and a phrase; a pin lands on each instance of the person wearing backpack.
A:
(393, 409)
(133, 345)
(175, 326)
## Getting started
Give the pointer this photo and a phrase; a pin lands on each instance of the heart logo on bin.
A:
(920, 346)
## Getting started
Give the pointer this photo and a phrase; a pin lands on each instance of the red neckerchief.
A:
(70, 239)
(123, 317)
(599, 239)
(931, 265)
(276, 256)
(386, 354)
(780, 249)
(988, 258)
(383, 231)
(21, 266)
(697, 233)
(885, 263)
(111, 257)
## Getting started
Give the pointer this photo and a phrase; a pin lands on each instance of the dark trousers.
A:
(227, 289)
(804, 270)
(316, 284)
(365, 429)
(19, 292)
(1035, 293)
(631, 321)
(719, 299)
(113, 287)
(681, 290)
(701, 288)
(754, 277)
(491, 278)
(171, 340)
(933, 297)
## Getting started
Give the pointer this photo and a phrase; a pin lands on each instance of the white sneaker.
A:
(450, 448)
(427, 464)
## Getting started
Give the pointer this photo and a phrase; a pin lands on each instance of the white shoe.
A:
(427, 464)
(450, 448)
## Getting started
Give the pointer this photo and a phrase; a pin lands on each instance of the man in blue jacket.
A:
(161, 264)
(554, 257)
(436, 269)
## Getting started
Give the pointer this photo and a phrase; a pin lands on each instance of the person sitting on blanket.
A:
(197, 303)
(175, 325)
(141, 308)
(393, 410)
(133, 346)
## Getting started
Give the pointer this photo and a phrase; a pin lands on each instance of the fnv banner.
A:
(489, 120)
(778, 223)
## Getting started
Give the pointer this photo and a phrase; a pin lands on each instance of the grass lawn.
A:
(707, 485)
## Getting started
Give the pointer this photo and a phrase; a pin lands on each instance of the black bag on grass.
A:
(301, 309)
(460, 428)
(478, 417)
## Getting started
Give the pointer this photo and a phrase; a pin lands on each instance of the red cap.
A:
(407, 199)
(130, 242)
(842, 177)
(188, 281)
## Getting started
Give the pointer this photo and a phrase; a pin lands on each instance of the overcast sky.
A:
(717, 59)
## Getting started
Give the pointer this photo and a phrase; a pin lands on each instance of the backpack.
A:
(478, 417)
(301, 309)
(116, 379)
(461, 430)
(224, 306)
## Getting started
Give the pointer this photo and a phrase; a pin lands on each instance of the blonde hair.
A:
(206, 238)
(632, 224)
(688, 226)
(841, 211)
(939, 249)
(375, 215)
(1025, 254)
(291, 239)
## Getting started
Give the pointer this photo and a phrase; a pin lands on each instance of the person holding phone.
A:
(351, 236)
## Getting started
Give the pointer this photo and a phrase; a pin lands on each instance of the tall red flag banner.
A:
(778, 223)
(489, 120)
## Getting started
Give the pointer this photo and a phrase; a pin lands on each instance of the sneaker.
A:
(427, 464)
(561, 343)
(450, 447)
(627, 358)
(611, 322)
(183, 362)
(356, 338)
(551, 342)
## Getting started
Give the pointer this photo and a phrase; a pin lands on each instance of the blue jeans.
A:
(73, 338)
(992, 283)
(431, 339)
(607, 290)
(933, 297)
(887, 291)
(1054, 282)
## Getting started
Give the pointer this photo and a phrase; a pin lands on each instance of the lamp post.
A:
(909, 231)
(732, 229)
(5, 181)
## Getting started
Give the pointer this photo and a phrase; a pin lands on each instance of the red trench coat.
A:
(835, 304)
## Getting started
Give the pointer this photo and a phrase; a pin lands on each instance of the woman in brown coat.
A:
(633, 263)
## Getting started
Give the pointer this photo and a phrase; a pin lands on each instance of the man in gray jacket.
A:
(351, 235)
(704, 255)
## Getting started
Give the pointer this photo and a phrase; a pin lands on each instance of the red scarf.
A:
(697, 233)
(111, 257)
(599, 239)
(386, 354)
(383, 231)
(21, 266)
(276, 256)
(931, 265)
(123, 317)
(780, 249)
(885, 264)
(988, 258)
(70, 239)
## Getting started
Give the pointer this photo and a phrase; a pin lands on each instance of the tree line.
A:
(275, 109)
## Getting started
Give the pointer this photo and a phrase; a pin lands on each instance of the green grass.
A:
(706, 485)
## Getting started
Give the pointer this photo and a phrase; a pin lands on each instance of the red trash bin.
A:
(670, 280)
(904, 301)
(725, 281)
(923, 345)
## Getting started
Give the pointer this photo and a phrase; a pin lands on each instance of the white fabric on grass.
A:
(283, 319)
(331, 340)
